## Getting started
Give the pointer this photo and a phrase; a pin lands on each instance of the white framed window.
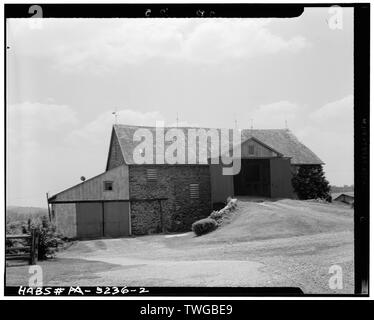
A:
(151, 174)
(194, 191)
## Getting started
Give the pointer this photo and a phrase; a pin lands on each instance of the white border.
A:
(2, 226)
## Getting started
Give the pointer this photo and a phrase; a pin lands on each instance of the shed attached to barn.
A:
(96, 208)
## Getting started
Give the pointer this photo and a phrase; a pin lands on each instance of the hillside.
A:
(286, 243)
(283, 219)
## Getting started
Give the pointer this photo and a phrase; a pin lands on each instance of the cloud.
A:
(337, 113)
(102, 45)
(31, 123)
(48, 149)
(217, 40)
(35, 154)
(327, 131)
(274, 115)
(98, 130)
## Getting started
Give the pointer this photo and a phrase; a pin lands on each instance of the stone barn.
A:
(136, 199)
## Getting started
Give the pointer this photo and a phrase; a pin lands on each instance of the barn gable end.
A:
(94, 189)
(115, 155)
(98, 207)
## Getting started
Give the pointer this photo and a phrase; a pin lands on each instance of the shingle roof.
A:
(285, 142)
(281, 140)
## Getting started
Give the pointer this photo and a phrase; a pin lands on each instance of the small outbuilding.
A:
(98, 207)
(346, 197)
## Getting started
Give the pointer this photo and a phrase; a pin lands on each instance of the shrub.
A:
(216, 215)
(310, 183)
(49, 240)
(204, 226)
(232, 204)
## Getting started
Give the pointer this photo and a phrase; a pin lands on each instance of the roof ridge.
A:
(281, 140)
(194, 127)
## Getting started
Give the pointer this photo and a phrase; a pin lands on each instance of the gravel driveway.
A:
(186, 260)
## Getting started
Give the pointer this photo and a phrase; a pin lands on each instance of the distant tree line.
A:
(14, 213)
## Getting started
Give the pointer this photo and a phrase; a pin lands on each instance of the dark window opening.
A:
(253, 173)
(108, 185)
(251, 149)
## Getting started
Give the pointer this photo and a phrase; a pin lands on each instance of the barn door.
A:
(253, 178)
(116, 219)
(281, 176)
(89, 220)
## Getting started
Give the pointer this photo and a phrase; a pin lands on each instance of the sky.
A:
(65, 77)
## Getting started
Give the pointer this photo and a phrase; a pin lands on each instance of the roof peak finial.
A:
(115, 116)
(235, 122)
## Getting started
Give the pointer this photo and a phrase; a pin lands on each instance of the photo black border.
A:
(207, 10)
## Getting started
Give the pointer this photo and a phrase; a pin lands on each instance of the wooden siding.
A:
(280, 178)
(93, 189)
(222, 186)
(65, 219)
(260, 151)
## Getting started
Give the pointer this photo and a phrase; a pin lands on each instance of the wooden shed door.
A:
(89, 220)
(280, 177)
(116, 219)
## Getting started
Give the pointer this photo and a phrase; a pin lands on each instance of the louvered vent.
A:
(152, 174)
(194, 191)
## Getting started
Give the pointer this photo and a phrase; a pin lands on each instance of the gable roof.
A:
(285, 142)
(340, 194)
(281, 140)
(258, 142)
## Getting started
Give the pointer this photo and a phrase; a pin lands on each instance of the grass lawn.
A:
(280, 243)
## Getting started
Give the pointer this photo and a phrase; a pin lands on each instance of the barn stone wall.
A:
(146, 217)
(65, 219)
(178, 211)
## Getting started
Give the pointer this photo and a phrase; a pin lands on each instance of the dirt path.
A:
(298, 262)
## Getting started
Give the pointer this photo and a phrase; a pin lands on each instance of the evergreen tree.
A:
(310, 183)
